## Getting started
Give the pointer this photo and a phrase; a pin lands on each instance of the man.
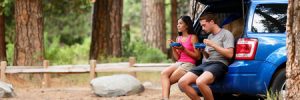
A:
(218, 50)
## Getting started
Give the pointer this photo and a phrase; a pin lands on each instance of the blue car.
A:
(259, 65)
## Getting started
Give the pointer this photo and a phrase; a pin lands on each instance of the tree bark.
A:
(153, 23)
(29, 48)
(293, 45)
(174, 19)
(101, 29)
(106, 32)
(116, 27)
(2, 36)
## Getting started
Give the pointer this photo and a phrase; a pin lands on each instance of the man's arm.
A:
(227, 52)
(205, 54)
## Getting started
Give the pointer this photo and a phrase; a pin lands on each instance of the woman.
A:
(186, 55)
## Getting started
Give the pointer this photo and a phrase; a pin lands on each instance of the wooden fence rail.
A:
(92, 68)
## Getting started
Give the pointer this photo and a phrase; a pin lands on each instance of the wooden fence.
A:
(92, 68)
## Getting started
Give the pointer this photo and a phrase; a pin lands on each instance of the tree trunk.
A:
(29, 48)
(106, 32)
(174, 19)
(293, 45)
(116, 27)
(153, 23)
(101, 29)
(2, 36)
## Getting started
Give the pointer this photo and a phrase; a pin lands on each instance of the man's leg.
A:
(165, 80)
(185, 84)
(203, 82)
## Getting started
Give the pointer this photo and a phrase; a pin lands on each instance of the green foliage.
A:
(146, 54)
(182, 7)
(67, 28)
(71, 20)
(110, 59)
(140, 50)
(126, 50)
(74, 54)
(78, 53)
(271, 95)
(131, 34)
(6, 4)
(8, 12)
(132, 17)
(9, 53)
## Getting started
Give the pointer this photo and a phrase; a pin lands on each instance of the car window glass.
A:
(269, 18)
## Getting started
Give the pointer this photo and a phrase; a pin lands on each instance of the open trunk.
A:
(230, 13)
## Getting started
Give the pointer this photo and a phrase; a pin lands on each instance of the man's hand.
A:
(209, 43)
(200, 49)
(226, 52)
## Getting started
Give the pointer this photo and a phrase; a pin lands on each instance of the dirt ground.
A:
(78, 93)
(76, 87)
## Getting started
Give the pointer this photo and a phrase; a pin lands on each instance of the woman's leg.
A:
(176, 75)
(165, 80)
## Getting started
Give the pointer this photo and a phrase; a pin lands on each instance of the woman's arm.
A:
(174, 50)
(196, 53)
(175, 53)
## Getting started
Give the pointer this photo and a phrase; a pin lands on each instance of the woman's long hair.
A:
(188, 21)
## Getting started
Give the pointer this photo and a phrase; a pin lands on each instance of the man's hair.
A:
(210, 16)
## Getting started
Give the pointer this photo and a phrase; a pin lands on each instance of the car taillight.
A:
(246, 49)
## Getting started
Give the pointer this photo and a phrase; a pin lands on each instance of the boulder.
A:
(116, 85)
(6, 90)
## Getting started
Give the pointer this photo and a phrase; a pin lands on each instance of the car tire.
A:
(278, 83)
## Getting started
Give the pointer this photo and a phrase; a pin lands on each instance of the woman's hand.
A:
(176, 47)
(170, 41)
(179, 47)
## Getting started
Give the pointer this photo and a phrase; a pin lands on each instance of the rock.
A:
(6, 90)
(116, 85)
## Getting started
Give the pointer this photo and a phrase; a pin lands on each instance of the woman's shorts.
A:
(184, 65)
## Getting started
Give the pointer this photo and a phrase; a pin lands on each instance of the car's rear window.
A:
(269, 18)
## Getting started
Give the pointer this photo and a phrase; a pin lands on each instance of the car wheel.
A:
(278, 84)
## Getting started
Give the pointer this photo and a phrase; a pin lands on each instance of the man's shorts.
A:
(218, 69)
(184, 65)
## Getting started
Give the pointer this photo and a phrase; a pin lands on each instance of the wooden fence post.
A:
(45, 83)
(132, 61)
(92, 69)
(2, 73)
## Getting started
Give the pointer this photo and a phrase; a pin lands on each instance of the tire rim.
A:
(282, 93)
